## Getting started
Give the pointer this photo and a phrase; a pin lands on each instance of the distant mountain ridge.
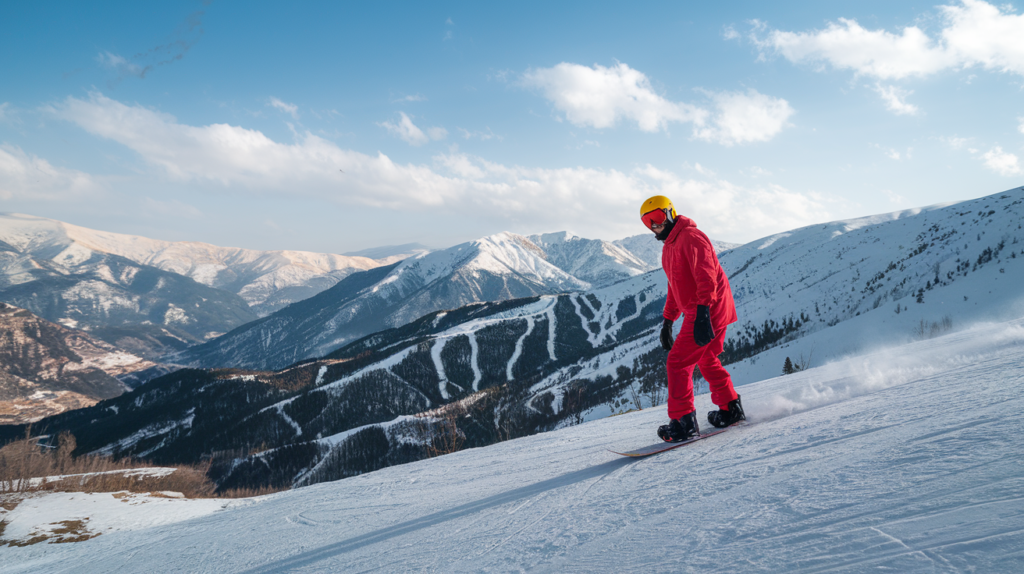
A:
(137, 307)
(592, 260)
(495, 268)
(266, 280)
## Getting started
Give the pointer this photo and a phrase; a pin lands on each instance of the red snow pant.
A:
(685, 354)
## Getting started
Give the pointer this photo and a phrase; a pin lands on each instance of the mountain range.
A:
(495, 268)
(265, 280)
(155, 297)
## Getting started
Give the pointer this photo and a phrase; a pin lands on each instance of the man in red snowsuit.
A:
(699, 290)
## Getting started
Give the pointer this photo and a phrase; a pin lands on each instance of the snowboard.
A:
(663, 446)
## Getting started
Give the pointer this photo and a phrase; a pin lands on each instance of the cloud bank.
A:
(601, 202)
(974, 34)
(601, 97)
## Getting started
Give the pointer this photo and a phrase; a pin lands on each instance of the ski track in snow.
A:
(435, 355)
(474, 351)
(289, 420)
(530, 320)
(906, 459)
(552, 327)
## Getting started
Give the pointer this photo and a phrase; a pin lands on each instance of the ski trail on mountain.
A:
(474, 354)
(530, 320)
(435, 355)
(552, 327)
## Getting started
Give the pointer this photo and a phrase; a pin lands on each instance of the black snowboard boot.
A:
(732, 415)
(678, 430)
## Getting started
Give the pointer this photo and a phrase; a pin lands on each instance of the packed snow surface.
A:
(904, 459)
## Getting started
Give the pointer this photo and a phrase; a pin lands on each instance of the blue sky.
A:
(336, 127)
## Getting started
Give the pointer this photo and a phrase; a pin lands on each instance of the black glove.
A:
(703, 332)
(666, 335)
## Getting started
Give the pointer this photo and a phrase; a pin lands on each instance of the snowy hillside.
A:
(905, 459)
(267, 280)
(494, 268)
(595, 261)
(144, 310)
(828, 290)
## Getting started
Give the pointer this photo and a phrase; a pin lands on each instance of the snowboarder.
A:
(699, 290)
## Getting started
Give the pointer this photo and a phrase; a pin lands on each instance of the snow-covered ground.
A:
(907, 459)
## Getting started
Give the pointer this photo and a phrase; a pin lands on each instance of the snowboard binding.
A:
(732, 415)
(682, 429)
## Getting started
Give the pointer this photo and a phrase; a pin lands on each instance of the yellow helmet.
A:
(658, 203)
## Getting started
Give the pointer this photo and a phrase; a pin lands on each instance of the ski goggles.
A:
(656, 217)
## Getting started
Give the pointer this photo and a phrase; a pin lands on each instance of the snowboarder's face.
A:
(657, 227)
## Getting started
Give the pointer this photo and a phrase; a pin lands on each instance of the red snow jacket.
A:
(694, 276)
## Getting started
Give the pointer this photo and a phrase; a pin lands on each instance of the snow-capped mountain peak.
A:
(267, 280)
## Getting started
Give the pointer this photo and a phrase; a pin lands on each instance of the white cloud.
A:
(974, 33)
(1020, 126)
(1001, 162)
(410, 133)
(290, 109)
(601, 97)
(744, 117)
(232, 157)
(847, 45)
(895, 100)
(26, 176)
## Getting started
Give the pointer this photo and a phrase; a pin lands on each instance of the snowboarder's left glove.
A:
(666, 335)
(703, 332)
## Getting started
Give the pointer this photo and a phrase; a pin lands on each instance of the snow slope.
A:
(906, 459)
(592, 260)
